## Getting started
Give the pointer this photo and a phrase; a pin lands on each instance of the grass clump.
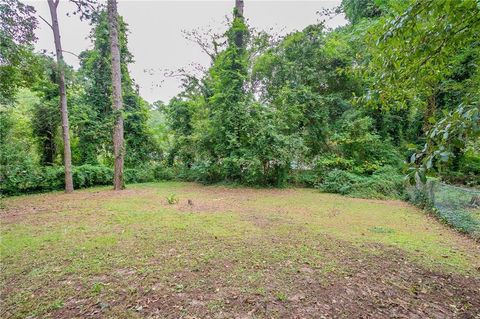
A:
(172, 199)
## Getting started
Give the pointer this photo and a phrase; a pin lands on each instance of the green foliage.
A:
(327, 163)
(172, 199)
(384, 183)
(303, 178)
(404, 69)
(143, 174)
(302, 80)
(357, 140)
(41, 179)
(163, 173)
(420, 196)
(338, 109)
(17, 154)
(89, 175)
(356, 10)
(223, 133)
(455, 206)
(28, 178)
(93, 115)
(448, 141)
(437, 78)
(469, 168)
(18, 63)
(46, 115)
(97, 288)
(461, 220)
(220, 133)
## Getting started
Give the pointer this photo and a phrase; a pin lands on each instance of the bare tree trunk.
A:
(67, 153)
(238, 13)
(239, 8)
(118, 143)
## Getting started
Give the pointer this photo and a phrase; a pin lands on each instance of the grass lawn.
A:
(230, 252)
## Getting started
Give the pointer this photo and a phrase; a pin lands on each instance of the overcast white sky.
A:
(156, 39)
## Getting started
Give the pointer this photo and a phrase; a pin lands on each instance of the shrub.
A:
(241, 170)
(201, 171)
(172, 199)
(89, 175)
(31, 179)
(384, 183)
(163, 173)
(303, 177)
(339, 181)
(327, 163)
(139, 175)
(468, 172)
(52, 178)
(419, 196)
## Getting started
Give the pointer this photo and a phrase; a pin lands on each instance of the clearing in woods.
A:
(230, 252)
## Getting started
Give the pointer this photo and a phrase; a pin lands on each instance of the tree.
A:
(355, 10)
(301, 78)
(118, 143)
(421, 57)
(45, 115)
(238, 14)
(228, 102)
(67, 153)
(18, 67)
(94, 115)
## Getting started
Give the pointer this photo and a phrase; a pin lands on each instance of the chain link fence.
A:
(456, 206)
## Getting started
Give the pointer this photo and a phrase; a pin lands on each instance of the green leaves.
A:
(94, 117)
(452, 134)
(413, 50)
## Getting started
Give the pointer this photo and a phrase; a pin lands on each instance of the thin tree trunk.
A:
(118, 143)
(67, 153)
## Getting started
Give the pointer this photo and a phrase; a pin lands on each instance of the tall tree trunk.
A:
(67, 153)
(239, 8)
(238, 13)
(118, 143)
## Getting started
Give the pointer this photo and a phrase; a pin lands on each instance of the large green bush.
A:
(384, 183)
(303, 178)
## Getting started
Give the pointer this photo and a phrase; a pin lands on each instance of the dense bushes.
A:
(337, 175)
(49, 178)
(384, 183)
(52, 178)
(468, 170)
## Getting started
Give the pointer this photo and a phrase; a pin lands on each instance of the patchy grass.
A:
(230, 251)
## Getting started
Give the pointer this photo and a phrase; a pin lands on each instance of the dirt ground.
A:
(230, 253)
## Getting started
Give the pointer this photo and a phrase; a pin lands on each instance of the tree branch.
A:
(444, 42)
(71, 53)
(48, 23)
